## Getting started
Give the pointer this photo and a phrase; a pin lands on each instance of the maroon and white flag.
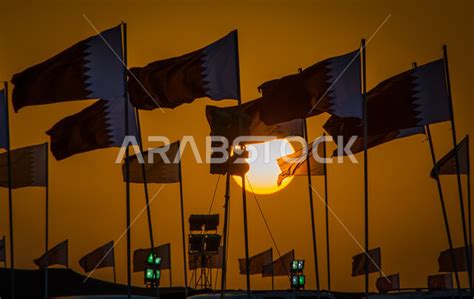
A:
(101, 257)
(445, 261)
(332, 86)
(209, 72)
(256, 262)
(440, 281)
(281, 266)
(372, 257)
(58, 255)
(388, 283)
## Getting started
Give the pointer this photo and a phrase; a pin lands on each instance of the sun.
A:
(264, 170)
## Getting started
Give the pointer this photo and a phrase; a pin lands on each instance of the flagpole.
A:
(127, 165)
(326, 201)
(366, 168)
(145, 189)
(311, 208)
(10, 197)
(443, 206)
(273, 276)
(244, 193)
(114, 271)
(170, 274)
(46, 294)
(458, 174)
(226, 225)
(441, 199)
(182, 224)
(469, 197)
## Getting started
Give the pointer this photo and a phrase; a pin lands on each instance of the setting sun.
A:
(264, 169)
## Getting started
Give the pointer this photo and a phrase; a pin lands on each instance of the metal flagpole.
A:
(469, 195)
(458, 174)
(311, 208)
(326, 203)
(226, 225)
(246, 237)
(145, 187)
(170, 273)
(46, 295)
(114, 271)
(244, 193)
(127, 166)
(443, 207)
(182, 227)
(10, 201)
(441, 199)
(366, 169)
(273, 276)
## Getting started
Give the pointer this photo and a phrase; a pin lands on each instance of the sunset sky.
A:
(87, 195)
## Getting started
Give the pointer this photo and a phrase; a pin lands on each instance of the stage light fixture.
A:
(212, 243)
(297, 265)
(157, 261)
(297, 281)
(152, 276)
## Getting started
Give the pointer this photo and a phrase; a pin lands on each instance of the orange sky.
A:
(276, 38)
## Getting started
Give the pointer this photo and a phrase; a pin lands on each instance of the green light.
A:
(149, 274)
(149, 260)
(294, 280)
(301, 280)
(294, 265)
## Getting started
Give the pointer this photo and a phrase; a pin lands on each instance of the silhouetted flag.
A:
(348, 127)
(87, 70)
(3, 120)
(160, 171)
(279, 267)
(225, 122)
(58, 255)
(414, 98)
(447, 164)
(28, 166)
(332, 85)
(215, 261)
(388, 283)
(208, 72)
(446, 264)
(298, 165)
(140, 256)
(358, 262)
(101, 257)
(440, 281)
(257, 262)
(3, 256)
(100, 125)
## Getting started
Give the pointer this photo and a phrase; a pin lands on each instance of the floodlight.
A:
(210, 222)
(196, 243)
(212, 243)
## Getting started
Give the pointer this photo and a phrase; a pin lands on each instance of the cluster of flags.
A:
(95, 68)
(263, 263)
(101, 257)
(372, 259)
